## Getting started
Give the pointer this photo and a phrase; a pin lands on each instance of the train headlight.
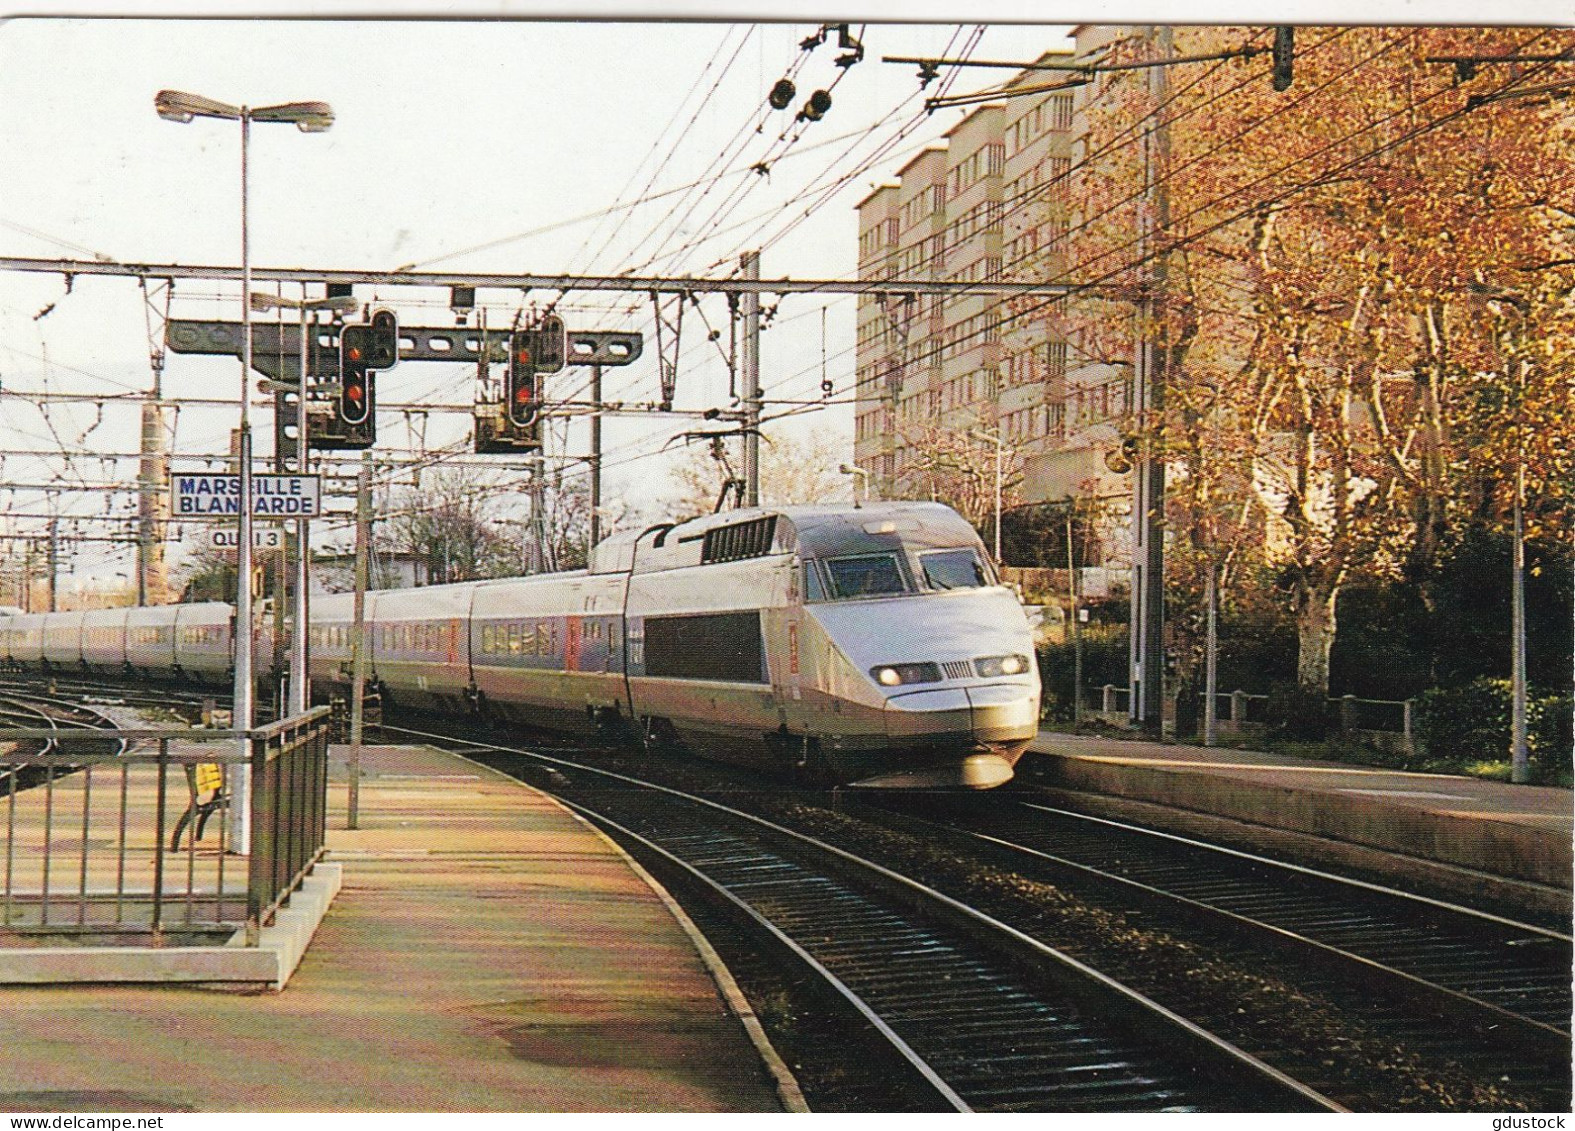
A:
(895, 675)
(991, 666)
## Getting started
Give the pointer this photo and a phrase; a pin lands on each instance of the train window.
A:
(813, 589)
(868, 575)
(953, 569)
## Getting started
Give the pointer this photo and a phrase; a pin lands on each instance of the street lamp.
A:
(994, 437)
(861, 478)
(339, 304)
(309, 117)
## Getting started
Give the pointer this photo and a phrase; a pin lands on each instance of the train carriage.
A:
(62, 650)
(332, 620)
(550, 649)
(150, 640)
(420, 646)
(204, 642)
(24, 640)
(104, 640)
(700, 596)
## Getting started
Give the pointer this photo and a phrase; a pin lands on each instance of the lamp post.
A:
(994, 437)
(338, 304)
(1519, 747)
(861, 478)
(309, 117)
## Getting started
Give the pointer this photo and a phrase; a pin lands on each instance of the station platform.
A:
(1449, 837)
(488, 951)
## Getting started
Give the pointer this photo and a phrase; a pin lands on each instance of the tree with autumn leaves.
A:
(1360, 291)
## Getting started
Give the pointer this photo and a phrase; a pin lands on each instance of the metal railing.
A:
(117, 845)
(289, 800)
(1240, 712)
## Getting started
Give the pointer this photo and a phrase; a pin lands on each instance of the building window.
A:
(1060, 108)
(1055, 359)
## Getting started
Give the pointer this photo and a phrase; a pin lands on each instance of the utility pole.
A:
(1146, 701)
(596, 460)
(1211, 658)
(538, 514)
(994, 437)
(300, 684)
(152, 501)
(358, 642)
(750, 263)
(53, 561)
(896, 374)
(1077, 632)
(1519, 748)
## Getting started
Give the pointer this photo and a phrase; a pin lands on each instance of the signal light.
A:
(383, 342)
(355, 376)
(551, 344)
(522, 403)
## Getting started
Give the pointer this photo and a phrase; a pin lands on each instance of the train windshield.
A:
(867, 575)
(954, 569)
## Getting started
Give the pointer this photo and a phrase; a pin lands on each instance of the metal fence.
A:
(141, 842)
(1386, 722)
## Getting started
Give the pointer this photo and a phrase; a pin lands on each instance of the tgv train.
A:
(868, 645)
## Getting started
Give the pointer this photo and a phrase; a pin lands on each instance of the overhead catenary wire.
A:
(1224, 200)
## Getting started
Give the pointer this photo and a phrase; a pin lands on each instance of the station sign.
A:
(219, 496)
(227, 538)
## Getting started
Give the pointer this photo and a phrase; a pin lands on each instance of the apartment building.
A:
(991, 201)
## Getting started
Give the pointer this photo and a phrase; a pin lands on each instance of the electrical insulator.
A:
(781, 96)
(815, 109)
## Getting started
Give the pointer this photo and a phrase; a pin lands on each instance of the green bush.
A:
(1104, 661)
(1471, 723)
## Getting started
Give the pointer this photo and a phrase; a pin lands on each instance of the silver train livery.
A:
(868, 645)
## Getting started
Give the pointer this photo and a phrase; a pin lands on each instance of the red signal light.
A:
(355, 381)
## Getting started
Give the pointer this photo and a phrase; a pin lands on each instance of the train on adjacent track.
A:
(864, 645)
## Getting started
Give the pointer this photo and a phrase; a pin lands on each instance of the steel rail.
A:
(1285, 915)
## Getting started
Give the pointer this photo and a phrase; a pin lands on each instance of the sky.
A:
(511, 145)
(520, 137)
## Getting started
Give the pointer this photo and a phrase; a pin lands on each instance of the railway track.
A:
(1484, 989)
(970, 1014)
(35, 714)
(85, 693)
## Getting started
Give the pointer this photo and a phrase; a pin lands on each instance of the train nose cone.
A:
(991, 715)
(929, 715)
(1003, 713)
